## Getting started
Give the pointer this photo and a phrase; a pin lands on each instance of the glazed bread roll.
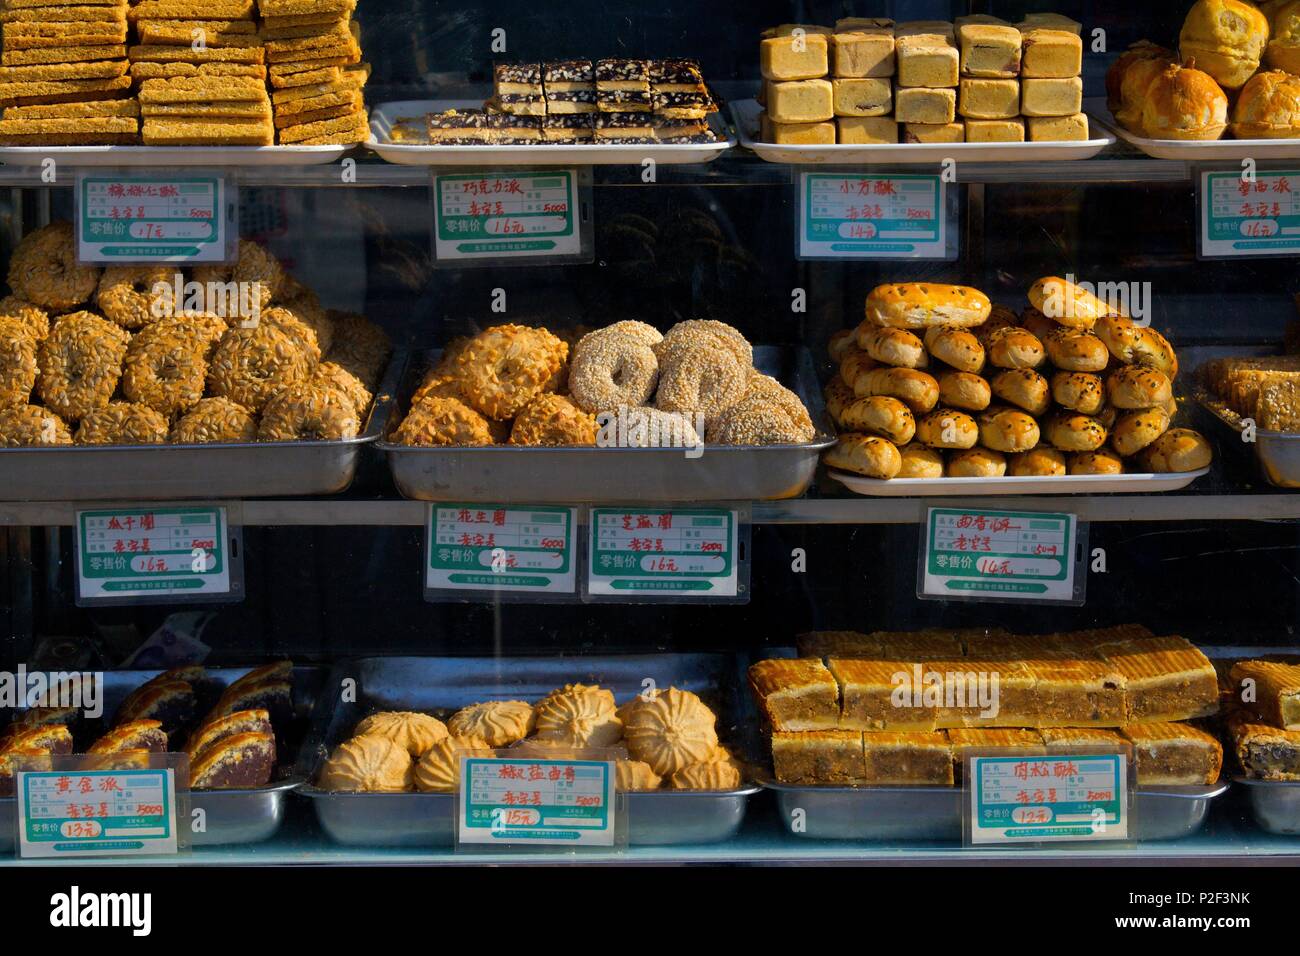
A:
(1071, 431)
(947, 428)
(1138, 52)
(855, 364)
(1135, 344)
(1178, 449)
(896, 347)
(1103, 461)
(999, 318)
(880, 415)
(965, 390)
(865, 455)
(1075, 350)
(839, 396)
(1135, 430)
(840, 344)
(1037, 324)
(959, 348)
(919, 305)
(1008, 430)
(1067, 303)
(1015, 348)
(1138, 386)
(1039, 462)
(976, 463)
(919, 391)
(1268, 107)
(920, 462)
(1283, 50)
(1135, 82)
(1226, 38)
(1079, 391)
(1184, 103)
(1107, 417)
(1024, 388)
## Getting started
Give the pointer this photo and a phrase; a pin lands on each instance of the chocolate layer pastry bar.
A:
(682, 131)
(683, 105)
(572, 101)
(624, 127)
(458, 127)
(507, 128)
(518, 89)
(676, 76)
(1273, 691)
(623, 85)
(570, 86)
(568, 128)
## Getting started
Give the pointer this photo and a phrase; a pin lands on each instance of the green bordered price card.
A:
(668, 554)
(506, 215)
(853, 215)
(163, 555)
(1244, 218)
(1003, 556)
(515, 552)
(1062, 798)
(125, 218)
(566, 803)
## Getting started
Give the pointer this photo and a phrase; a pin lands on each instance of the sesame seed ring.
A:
(250, 365)
(215, 420)
(33, 316)
(122, 423)
(688, 333)
(165, 367)
(81, 362)
(26, 425)
(505, 367)
(18, 368)
(43, 269)
(758, 421)
(125, 294)
(553, 420)
(255, 264)
(614, 368)
(769, 389)
(309, 413)
(700, 377)
(443, 421)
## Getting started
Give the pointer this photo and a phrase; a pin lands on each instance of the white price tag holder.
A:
(1250, 217)
(502, 553)
(861, 215)
(512, 216)
(677, 555)
(168, 554)
(977, 554)
(181, 216)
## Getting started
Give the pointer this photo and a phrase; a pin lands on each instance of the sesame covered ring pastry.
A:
(254, 265)
(762, 420)
(166, 366)
(122, 423)
(443, 421)
(125, 294)
(553, 420)
(29, 314)
(18, 368)
(26, 425)
(505, 367)
(687, 333)
(615, 367)
(700, 371)
(81, 362)
(43, 269)
(307, 412)
(250, 365)
(215, 420)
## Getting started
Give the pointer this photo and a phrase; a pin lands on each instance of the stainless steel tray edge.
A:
(1275, 804)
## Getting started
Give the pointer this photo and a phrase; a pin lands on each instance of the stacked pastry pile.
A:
(613, 101)
(937, 381)
(114, 356)
(234, 746)
(903, 708)
(313, 48)
(63, 80)
(1265, 390)
(660, 739)
(978, 80)
(1232, 56)
(1264, 722)
(625, 384)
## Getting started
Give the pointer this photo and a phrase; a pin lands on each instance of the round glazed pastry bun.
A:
(1036, 463)
(1134, 83)
(1283, 50)
(1076, 350)
(1080, 391)
(1184, 103)
(1268, 107)
(1024, 388)
(1008, 430)
(965, 390)
(958, 348)
(1015, 348)
(1135, 344)
(920, 462)
(1179, 449)
(1066, 303)
(865, 455)
(919, 305)
(946, 428)
(880, 415)
(840, 343)
(1135, 430)
(1138, 386)
(1226, 38)
(999, 318)
(896, 347)
(1070, 431)
(977, 463)
(1103, 461)
(1141, 51)
(917, 390)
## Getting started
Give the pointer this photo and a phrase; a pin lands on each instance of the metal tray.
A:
(441, 684)
(1276, 453)
(385, 115)
(157, 156)
(1033, 485)
(1194, 151)
(934, 813)
(1275, 804)
(745, 114)
(498, 473)
(215, 471)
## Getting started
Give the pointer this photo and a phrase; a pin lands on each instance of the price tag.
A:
(669, 553)
(167, 554)
(153, 217)
(999, 555)
(1241, 218)
(857, 216)
(522, 548)
(1053, 799)
(537, 802)
(506, 214)
(78, 813)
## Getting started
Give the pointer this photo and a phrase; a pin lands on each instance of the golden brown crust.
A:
(867, 455)
(918, 305)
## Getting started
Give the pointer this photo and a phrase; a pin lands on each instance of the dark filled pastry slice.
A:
(172, 703)
(135, 735)
(56, 738)
(214, 731)
(235, 762)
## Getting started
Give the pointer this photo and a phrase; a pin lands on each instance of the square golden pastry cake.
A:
(867, 130)
(954, 132)
(879, 695)
(959, 22)
(1273, 694)
(863, 51)
(977, 694)
(849, 24)
(1050, 21)
(940, 28)
(989, 50)
(822, 756)
(1174, 754)
(1165, 678)
(1051, 54)
(963, 740)
(1066, 740)
(862, 96)
(796, 693)
(1063, 97)
(989, 99)
(799, 134)
(1058, 129)
(838, 643)
(931, 644)
(1266, 753)
(801, 101)
(1077, 694)
(926, 60)
(794, 57)
(894, 759)
(995, 131)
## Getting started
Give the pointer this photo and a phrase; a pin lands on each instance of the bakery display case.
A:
(824, 432)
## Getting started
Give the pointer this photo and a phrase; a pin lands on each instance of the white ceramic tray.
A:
(172, 155)
(1193, 151)
(745, 115)
(1044, 485)
(385, 115)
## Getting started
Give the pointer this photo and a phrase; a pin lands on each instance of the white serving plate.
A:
(745, 115)
(1038, 485)
(172, 155)
(1192, 151)
(383, 117)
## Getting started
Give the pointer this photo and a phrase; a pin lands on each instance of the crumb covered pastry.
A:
(414, 732)
(369, 764)
(499, 722)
